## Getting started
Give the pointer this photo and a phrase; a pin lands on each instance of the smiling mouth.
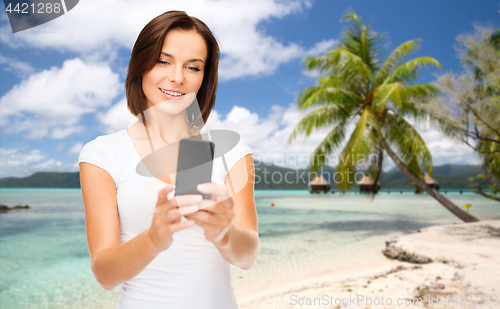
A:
(172, 93)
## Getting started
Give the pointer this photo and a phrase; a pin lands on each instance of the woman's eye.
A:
(190, 68)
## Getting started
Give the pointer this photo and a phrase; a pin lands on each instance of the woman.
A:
(163, 250)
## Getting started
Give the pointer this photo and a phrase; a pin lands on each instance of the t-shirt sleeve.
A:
(98, 152)
(239, 151)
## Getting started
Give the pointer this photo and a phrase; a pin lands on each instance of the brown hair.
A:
(146, 53)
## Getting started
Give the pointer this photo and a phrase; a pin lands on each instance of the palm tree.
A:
(377, 98)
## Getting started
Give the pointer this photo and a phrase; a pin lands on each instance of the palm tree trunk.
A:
(380, 161)
(454, 209)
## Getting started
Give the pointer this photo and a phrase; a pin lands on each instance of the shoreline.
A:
(285, 284)
(465, 259)
(334, 268)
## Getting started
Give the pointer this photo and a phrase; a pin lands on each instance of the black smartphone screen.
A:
(194, 165)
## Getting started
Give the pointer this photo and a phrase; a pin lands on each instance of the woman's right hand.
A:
(167, 217)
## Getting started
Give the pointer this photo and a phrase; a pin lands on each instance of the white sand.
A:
(466, 261)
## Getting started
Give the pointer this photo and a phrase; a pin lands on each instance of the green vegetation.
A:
(449, 176)
(379, 97)
(470, 110)
(43, 180)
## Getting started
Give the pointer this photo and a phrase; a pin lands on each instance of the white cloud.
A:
(19, 68)
(23, 164)
(48, 165)
(76, 148)
(62, 132)
(321, 47)
(51, 102)
(251, 128)
(443, 149)
(60, 147)
(117, 118)
(91, 31)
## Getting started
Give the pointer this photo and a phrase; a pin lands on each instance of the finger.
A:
(222, 233)
(184, 210)
(211, 217)
(208, 218)
(215, 208)
(185, 200)
(181, 225)
(175, 213)
(213, 188)
(167, 215)
(206, 204)
(196, 215)
(162, 194)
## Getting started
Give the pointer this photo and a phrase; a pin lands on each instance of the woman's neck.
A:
(168, 129)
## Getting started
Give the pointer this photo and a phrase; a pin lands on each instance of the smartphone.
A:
(194, 165)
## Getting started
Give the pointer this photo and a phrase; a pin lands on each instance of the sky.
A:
(62, 83)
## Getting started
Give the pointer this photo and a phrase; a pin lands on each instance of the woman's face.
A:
(180, 69)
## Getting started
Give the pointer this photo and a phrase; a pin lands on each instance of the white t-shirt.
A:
(191, 273)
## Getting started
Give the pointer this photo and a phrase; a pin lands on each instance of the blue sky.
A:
(61, 83)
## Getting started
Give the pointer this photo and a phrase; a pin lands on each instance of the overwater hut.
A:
(431, 182)
(366, 184)
(319, 184)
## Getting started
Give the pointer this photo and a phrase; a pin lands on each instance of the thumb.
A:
(162, 194)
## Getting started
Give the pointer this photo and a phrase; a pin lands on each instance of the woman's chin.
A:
(167, 107)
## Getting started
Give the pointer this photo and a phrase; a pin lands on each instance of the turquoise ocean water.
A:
(44, 260)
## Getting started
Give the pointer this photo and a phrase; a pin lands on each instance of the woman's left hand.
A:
(216, 214)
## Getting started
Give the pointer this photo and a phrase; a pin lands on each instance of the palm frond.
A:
(345, 65)
(388, 93)
(318, 119)
(315, 63)
(395, 59)
(362, 41)
(403, 98)
(407, 71)
(410, 145)
(323, 95)
(361, 143)
(327, 146)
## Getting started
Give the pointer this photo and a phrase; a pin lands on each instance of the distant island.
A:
(272, 177)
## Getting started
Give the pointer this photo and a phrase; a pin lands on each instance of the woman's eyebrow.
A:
(191, 60)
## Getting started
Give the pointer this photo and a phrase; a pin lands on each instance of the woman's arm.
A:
(111, 263)
(241, 243)
(239, 247)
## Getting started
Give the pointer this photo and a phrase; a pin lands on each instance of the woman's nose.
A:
(176, 76)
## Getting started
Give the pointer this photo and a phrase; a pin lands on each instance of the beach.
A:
(463, 272)
(322, 244)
